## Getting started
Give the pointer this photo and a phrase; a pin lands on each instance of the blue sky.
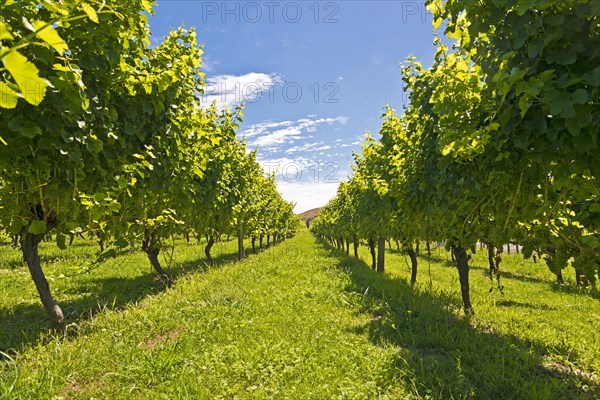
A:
(314, 75)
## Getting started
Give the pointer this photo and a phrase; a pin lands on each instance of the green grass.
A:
(81, 287)
(298, 321)
(536, 340)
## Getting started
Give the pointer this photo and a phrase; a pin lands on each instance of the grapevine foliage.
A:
(498, 144)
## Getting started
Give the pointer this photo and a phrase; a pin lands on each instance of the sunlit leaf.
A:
(90, 12)
(25, 74)
(45, 32)
(8, 97)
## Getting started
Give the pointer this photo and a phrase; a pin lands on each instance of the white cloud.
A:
(305, 147)
(270, 134)
(208, 65)
(290, 169)
(263, 127)
(322, 148)
(280, 136)
(307, 195)
(305, 172)
(309, 182)
(342, 119)
(231, 90)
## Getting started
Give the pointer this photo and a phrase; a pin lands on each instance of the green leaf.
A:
(37, 227)
(4, 33)
(593, 77)
(580, 96)
(26, 128)
(555, 20)
(50, 36)
(56, 7)
(73, 226)
(106, 255)
(567, 57)
(25, 74)
(95, 146)
(573, 127)
(99, 197)
(147, 88)
(521, 141)
(502, 155)
(113, 207)
(575, 124)
(147, 6)
(90, 12)
(114, 115)
(547, 74)
(534, 48)
(494, 126)
(434, 6)
(121, 243)
(61, 241)
(8, 97)
(448, 149)
(85, 103)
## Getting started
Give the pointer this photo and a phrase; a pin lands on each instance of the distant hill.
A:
(308, 216)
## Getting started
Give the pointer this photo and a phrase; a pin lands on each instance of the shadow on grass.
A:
(49, 253)
(27, 324)
(523, 278)
(566, 287)
(442, 356)
(444, 261)
(520, 304)
(572, 288)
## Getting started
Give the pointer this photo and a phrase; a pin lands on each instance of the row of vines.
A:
(103, 135)
(499, 143)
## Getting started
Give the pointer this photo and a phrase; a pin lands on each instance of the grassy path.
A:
(298, 321)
